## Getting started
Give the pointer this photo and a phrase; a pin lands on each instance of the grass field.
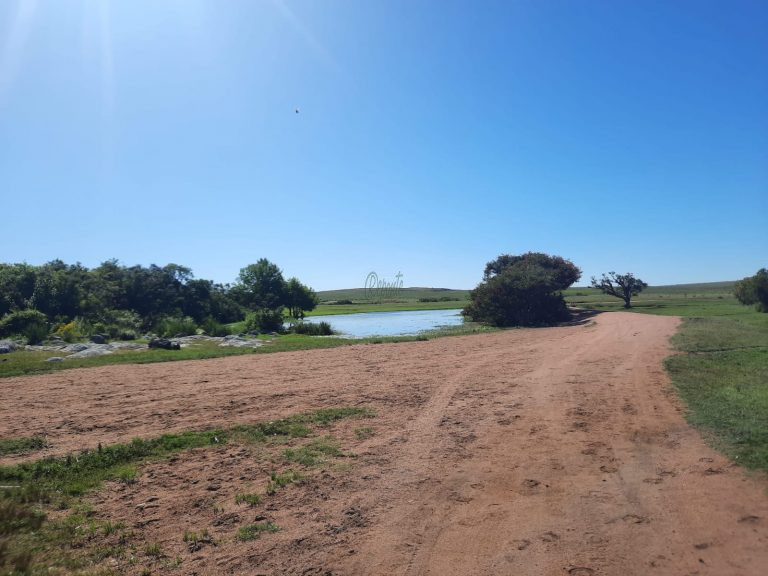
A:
(675, 300)
(722, 375)
(403, 299)
(714, 298)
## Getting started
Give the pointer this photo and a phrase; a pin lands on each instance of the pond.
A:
(403, 323)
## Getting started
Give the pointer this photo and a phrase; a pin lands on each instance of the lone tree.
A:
(523, 290)
(622, 286)
(299, 298)
(754, 290)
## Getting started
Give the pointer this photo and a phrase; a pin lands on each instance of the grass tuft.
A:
(18, 446)
(253, 531)
(250, 499)
(314, 453)
(279, 481)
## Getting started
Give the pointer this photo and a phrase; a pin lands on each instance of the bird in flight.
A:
(297, 110)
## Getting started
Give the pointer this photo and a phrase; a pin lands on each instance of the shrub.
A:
(312, 329)
(35, 333)
(754, 290)
(523, 291)
(29, 323)
(118, 324)
(68, 332)
(75, 330)
(214, 328)
(171, 327)
(264, 320)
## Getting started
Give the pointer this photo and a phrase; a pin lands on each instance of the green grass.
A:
(32, 489)
(360, 307)
(314, 453)
(722, 375)
(687, 300)
(253, 531)
(17, 446)
(248, 498)
(403, 300)
(279, 481)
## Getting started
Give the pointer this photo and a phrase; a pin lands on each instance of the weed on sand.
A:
(18, 446)
(30, 492)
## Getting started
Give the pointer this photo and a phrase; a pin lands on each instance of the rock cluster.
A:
(7, 346)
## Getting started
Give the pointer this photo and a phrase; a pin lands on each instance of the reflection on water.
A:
(389, 323)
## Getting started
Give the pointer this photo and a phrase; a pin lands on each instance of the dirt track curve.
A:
(524, 452)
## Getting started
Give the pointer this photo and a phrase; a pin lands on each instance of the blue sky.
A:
(431, 136)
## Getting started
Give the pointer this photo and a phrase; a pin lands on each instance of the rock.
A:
(75, 348)
(7, 346)
(239, 342)
(98, 339)
(97, 350)
(126, 345)
(164, 343)
(54, 359)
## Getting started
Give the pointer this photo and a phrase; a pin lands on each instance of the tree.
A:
(622, 286)
(753, 290)
(261, 285)
(523, 290)
(299, 298)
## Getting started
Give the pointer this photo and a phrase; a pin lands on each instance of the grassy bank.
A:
(358, 300)
(722, 375)
(22, 362)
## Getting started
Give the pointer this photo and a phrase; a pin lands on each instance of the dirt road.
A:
(525, 452)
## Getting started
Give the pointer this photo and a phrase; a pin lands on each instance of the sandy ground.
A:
(525, 452)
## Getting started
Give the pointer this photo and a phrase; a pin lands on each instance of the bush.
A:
(214, 328)
(118, 324)
(29, 323)
(264, 320)
(35, 333)
(68, 332)
(523, 291)
(172, 327)
(75, 330)
(754, 290)
(312, 329)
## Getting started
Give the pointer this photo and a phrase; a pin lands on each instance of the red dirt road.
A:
(524, 452)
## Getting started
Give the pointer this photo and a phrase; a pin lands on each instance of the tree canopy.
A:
(753, 290)
(139, 297)
(622, 286)
(524, 290)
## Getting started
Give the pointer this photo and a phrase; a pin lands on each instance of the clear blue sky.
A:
(431, 136)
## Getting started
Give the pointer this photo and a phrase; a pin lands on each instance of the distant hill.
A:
(413, 294)
(700, 288)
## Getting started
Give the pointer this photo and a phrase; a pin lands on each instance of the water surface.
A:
(404, 323)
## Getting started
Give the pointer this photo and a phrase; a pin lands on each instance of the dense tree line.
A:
(143, 296)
